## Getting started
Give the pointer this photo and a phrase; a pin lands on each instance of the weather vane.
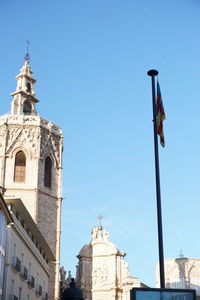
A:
(100, 227)
(27, 56)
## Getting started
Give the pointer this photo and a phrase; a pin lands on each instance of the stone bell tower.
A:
(31, 164)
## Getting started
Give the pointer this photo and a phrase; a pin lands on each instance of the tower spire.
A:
(27, 56)
(24, 100)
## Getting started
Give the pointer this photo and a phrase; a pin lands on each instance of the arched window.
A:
(27, 108)
(20, 167)
(47, 171)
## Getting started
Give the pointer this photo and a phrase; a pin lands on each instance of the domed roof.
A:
(99, 245)
(86, 251)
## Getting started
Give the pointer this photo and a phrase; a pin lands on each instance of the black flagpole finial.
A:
(152, 73)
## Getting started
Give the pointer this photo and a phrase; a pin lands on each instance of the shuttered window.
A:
(20, 167)
(47, 172)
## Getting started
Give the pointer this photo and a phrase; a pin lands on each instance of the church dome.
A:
(99, 245)
(86, 251)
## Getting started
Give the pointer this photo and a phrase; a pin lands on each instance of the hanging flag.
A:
(160, 116)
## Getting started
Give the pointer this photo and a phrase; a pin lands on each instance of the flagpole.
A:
(154, 73)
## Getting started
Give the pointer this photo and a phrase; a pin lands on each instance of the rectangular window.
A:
(2, 264)
(29, 269)
(29, 272)
(3, 227)
(22, 259)
(12, 287)
(37, 278)
(14, 250)
(4, 231)
(20, 294)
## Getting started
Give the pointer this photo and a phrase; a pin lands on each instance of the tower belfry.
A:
(31, 164)
(24, 99)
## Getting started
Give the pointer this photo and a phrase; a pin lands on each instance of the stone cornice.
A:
(20, 120)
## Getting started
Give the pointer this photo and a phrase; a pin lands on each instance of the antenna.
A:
(181, 255)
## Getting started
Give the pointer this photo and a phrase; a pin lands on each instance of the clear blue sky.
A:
(90, 59)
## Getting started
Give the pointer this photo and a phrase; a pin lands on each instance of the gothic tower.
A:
(31, 164)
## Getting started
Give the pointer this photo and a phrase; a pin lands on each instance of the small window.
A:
(27, 108)
(28, 87)
(20, 167)
(47, 172)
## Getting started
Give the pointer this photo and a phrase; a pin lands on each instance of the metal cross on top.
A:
(100, 225)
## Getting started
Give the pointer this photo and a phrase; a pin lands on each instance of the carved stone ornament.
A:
(100, 275)
(50, 143)
(19, 137)
(2, 138)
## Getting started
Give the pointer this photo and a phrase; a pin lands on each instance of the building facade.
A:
(31, 165)
(27, 270)
(5, 220)
(181, 273)
(102, 272)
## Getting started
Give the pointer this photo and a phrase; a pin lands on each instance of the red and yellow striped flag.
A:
(160, 116)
